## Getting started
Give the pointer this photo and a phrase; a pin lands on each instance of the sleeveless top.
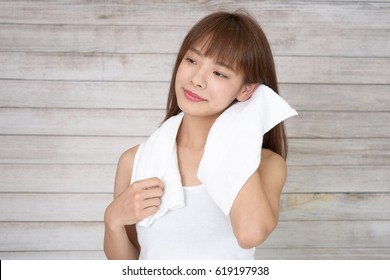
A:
(232, 152)
(194, 222)
(199, 230)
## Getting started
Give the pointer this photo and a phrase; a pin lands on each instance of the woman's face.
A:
(205, 87)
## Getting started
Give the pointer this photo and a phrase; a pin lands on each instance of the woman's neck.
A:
(193, 131)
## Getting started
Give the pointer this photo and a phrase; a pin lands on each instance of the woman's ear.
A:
(247, 91)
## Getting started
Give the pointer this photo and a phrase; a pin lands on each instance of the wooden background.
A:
(81, 81)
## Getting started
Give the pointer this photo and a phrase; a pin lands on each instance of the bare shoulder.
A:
(272, 169)
(124, 170)
(271, 159)
(127, 157)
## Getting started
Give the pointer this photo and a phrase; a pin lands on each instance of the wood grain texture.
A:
(92, 178)
(101, 122)
(64, 150)
(335, 207)
(339, 152)
(350, 14)
(106, 150)
(336, 178)
(83, 95)
(53, 255)
(329, 234)
(79, 207)
(99, 178)
(55, 236)
(57, 178)
(336, 97)
(80, 122)
(343, 253)
(153, 95)
(300, 39)
(158, 68)
(53, 207)
(81, 82)
(58, 236)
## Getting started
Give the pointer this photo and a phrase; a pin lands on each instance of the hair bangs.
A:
(224, 42)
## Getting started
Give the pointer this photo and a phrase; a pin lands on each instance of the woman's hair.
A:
(237, 40)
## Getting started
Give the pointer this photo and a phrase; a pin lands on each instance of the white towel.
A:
(157, 157)
(231, 155)
(233, 148)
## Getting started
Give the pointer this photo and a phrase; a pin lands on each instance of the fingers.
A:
(148, 183)
(147, 193)
(148, 188)
(135, 203)
(151, 202)
(147, 212)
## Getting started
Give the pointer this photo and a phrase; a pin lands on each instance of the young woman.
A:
(223, 60)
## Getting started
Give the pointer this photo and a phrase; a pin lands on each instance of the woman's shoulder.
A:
(270, 157)
(127, 157)
(126, 160)
(124, 170)
(272, 166)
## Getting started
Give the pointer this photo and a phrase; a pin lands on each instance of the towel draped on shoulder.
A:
(231, 155)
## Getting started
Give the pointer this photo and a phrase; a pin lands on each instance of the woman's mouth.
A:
(192, 96)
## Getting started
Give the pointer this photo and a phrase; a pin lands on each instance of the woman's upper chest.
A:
(188, 161)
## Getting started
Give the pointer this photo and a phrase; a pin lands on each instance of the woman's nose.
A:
(198, 78)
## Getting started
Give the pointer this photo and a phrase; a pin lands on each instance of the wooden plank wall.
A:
(82, 81)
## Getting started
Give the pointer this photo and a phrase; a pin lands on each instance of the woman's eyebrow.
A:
(198, 52)
(225, 65)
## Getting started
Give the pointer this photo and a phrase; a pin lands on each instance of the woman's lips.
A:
(192, 96)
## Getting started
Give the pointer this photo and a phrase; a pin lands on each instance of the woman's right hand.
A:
(140, 200)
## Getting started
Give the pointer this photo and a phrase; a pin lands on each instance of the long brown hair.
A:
(236, 39)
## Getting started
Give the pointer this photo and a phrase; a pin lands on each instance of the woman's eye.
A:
(190, 60)
(219, 74)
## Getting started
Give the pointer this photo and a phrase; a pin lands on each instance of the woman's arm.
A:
(131, 204)
(255, 211)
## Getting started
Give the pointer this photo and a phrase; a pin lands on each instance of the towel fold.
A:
(231, 155)
(233, 148)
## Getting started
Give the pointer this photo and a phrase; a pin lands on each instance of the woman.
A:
(223, 60)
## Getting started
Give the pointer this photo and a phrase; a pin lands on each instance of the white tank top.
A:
(199, 231)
